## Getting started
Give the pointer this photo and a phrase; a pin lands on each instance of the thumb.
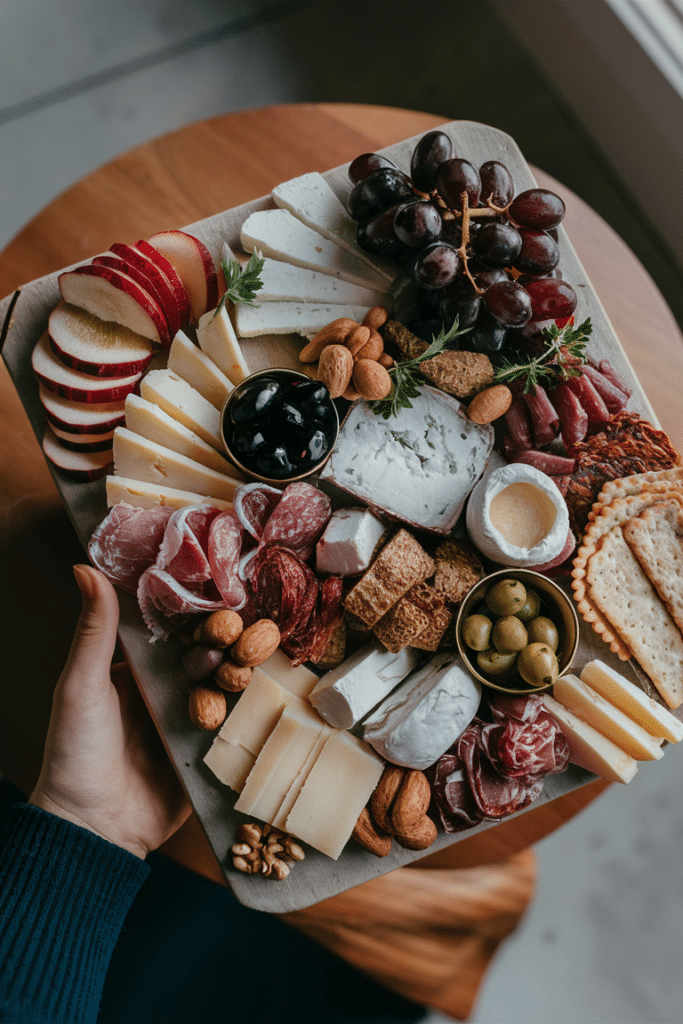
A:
(95, 639)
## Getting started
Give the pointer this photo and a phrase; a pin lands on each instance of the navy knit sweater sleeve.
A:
(64, 894)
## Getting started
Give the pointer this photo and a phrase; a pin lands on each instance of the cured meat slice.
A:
(224, 546)
(299, 519)
(127, 542)
(285, 590)
(165, 603)
(495, 795)
(254, 504)
(183, 552)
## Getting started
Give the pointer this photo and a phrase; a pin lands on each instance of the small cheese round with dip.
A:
(517, 516)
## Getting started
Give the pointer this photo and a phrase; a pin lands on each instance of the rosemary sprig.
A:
(242, 282)
(557, 361)
(402, 374)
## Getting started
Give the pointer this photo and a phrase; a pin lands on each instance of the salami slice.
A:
(165, 603)
(127, 542)
(299, 519)
(254, 504)
(285, 590)
(225, 544)
(183, 552)
(453, 794)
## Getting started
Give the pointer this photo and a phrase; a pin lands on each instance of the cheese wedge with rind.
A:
(593, 709)
(185, 404)
(200, 372)
(305, 318)
(630, 699)
(142, 494)
(217, 338)
(153, 423)
(589, 748)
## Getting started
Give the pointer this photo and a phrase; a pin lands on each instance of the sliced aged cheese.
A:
(312, 201)
(142, 494)
(230, 762)
(194, 366)
(181, 401)
(256, 713)
(217, 338)
(588, 705)
(299, 681)
(338, 787)
(150, 421)
(292, 794)
(345, 694)
(291, 317)
(282, 282)
(630, 699)
(278, 234)
(589, 748)
(424, 716)
(140, 459)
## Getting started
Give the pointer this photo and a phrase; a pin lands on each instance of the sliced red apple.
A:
(195, 266)
(82, 417)
(77, 465)
(78, 387)
(84, 442)
(97, 347)
(114, 296)
(158, 283)
(172, 276)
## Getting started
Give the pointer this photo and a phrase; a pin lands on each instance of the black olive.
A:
(287, 415)
(275, 464)
(318, 446)
(254, 403)
(247, 440)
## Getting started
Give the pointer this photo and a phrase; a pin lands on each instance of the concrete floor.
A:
(83, 80)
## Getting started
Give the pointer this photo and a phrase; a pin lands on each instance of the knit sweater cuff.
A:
(64, 894)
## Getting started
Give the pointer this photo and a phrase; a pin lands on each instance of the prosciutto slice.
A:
(165, 603)
(299, 519)
(183, 552)
(254, 504)
(127, 542)
(225, 545)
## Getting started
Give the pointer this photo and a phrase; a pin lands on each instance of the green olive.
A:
(495, 663)
(509, 634)
(543, 630)
(476, 632)
(537, 665)
(506, 597)
(531, 607)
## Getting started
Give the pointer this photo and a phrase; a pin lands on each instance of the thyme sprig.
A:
(564, 351)
(242, 283)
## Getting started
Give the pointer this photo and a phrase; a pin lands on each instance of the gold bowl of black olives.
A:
(517, 631)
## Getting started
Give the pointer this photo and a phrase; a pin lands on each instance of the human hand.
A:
(104, 766)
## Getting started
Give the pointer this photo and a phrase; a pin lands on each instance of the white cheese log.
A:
(194, 366)
(423, 718)
(282, 282)
(349, 542)
(150, 421)
(345, 694)
(589, 748)
(142, 494)
(175, 396)
(589, 706)
(630, 699)
(217, 338)
(305, 318)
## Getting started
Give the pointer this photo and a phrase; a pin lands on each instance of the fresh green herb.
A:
(558, 360)
(403, 374)
(242, 282)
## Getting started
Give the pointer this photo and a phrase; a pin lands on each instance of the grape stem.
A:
(465, 240)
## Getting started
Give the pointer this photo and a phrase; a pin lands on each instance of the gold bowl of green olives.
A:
(517, 631)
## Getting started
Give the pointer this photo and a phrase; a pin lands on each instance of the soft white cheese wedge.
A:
(630, 699)
(418, 466)
(305, 318)
(194, 366)
(278, 234)
(345, 694)
(142, 494)
(423, 718)
(349, 542)
(177, 398)
(588, 705)
(589, 748)
(282, 282)
(311, 199)
(217, 338)
(148, 420)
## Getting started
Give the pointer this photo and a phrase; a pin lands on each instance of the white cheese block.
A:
(230, 762)
(349, 542)
(217, 338)
(194, 366)
(175, 396)
(630, 699)
(276, 233)
(418, 466)
(142, 494)
(152, 422)
(292, 794)
(311, 199)
(305, 318)
(299, 680)
(137, 458)
(345, 694)
(282, 282)
(337, 788)
(589, 748)
(256, 713)
(423, 718)
(589, 706)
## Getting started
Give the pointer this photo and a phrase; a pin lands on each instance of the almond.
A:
(221, 628)
(386, 361)
(383, 797)
(489, 404)
(373, 348)
(207, 707)
(370, 837)
(371, 379)
(411, 825)
(335, 369)
(256, 644)
(375, 317)
(333, 334)
(358, 337)
(351, 395)
(233, 678)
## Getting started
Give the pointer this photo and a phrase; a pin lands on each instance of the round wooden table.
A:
(174, 180)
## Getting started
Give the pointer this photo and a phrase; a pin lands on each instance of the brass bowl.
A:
(284, 373)
(554, 603)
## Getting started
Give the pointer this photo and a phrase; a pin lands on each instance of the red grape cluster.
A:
(473, 248)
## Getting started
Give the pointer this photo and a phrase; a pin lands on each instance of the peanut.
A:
(335, 369)
(256, 644)
(333, 334)
(489, 404)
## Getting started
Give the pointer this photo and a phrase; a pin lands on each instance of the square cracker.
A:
(656, 539)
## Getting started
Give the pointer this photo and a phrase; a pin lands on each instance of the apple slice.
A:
(96, 347)
(171, 275)
(77, 465)
(84, 442)
(195, 266)
(172, 295)
(78, 387)
(164, 298)
(114, 296)
(82, 417)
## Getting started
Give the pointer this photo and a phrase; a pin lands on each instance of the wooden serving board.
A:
(156, 667)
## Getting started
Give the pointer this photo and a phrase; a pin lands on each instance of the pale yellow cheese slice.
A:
(589, 748)
(142, 494)
(181, 401)
(230, 762)
(630, 699)
(150, 421)
(256, 713)
(588, 705)
(194, 366)
(299, 680)
(217, 338)
(292, 794)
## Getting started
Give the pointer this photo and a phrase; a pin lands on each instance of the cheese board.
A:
(156, 666)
